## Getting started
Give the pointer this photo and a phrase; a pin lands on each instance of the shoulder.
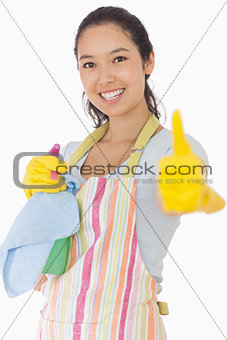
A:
(196, 146)
(160, 145)
(67, 150)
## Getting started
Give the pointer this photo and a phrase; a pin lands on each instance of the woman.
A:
(110, 288)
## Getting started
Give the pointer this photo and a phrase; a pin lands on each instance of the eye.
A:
(87, 64)
(120, 58)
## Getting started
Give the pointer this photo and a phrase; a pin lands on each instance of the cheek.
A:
(87, 80)
(134, 74)
(127, 72)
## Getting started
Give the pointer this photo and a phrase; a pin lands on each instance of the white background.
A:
(35, 115)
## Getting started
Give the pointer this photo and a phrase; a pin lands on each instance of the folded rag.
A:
(39, 238)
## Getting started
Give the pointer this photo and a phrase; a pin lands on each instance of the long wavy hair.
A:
(129, 24)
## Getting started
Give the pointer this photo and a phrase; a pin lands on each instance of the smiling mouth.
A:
(112, 94)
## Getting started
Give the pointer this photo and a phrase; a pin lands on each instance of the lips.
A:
(109, 91)
(109, 100)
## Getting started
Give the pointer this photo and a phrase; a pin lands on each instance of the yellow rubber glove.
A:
(38, 172)
(180, 186)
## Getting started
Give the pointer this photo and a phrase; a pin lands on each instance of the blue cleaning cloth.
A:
(44, 219)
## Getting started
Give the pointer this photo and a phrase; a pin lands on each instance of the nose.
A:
(106, 76)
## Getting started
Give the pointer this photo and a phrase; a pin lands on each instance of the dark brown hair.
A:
(129, 24)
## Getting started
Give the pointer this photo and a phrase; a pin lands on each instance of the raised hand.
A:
(181, 179)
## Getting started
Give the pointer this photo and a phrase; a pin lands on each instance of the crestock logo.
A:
(186, 170)
(100, 170)
(16, 176)
(169, 169)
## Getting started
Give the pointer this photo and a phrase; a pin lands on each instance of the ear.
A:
(149, 64)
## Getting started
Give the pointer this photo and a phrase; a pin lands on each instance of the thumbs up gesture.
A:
(181, 187)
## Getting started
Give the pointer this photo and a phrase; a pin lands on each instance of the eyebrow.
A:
(85, 56)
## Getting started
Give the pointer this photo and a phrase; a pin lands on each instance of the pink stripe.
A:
(85, 282)
(40, 334)
(133, 301)
(128, 286)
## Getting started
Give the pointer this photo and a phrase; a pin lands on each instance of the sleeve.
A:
(63, 151)
(67, 150)
(197, 149)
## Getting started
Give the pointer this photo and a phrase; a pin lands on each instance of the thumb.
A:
(180, 144)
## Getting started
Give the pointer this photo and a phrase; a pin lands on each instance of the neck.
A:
(125, 127)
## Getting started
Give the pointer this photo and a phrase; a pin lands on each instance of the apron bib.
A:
(106, 292)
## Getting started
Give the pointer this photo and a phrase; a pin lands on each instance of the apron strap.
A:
(88, 142)
(163, 308)
(148, 130)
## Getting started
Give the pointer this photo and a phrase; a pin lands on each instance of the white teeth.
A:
(112, 95)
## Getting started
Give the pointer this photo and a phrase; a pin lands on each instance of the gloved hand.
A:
(38, 172)
(184, 193)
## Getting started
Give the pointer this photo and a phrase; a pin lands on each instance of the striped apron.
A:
(106, 292)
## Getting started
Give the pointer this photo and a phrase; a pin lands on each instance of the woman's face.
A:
(110, 63)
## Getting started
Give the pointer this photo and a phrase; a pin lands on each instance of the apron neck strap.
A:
(148, 130)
